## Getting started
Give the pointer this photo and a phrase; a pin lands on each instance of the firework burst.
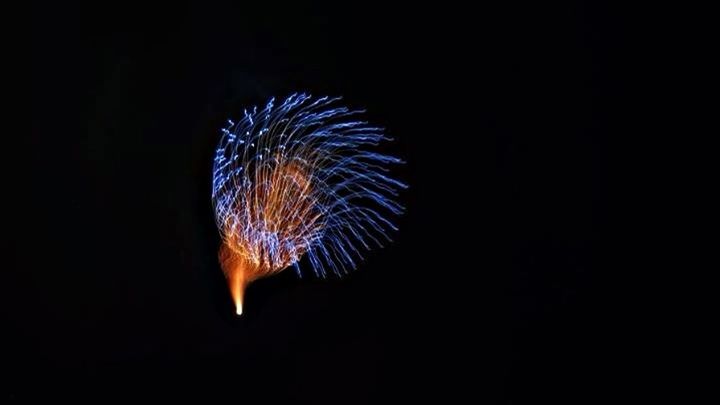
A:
(300, 178)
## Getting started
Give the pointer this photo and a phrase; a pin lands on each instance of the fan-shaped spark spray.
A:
(300, 178)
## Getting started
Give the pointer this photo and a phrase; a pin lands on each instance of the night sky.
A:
(489, 290)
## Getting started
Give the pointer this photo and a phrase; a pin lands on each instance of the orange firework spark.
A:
(282, 200)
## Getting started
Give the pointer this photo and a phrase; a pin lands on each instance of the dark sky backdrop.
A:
(489, 289)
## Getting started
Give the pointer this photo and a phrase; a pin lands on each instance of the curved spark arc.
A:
(301, 178)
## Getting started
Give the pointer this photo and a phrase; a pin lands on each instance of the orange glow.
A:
(283, 205)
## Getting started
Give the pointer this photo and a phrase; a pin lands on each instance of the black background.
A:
(489, 290)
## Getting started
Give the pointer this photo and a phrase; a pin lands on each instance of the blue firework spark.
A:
(301, 178)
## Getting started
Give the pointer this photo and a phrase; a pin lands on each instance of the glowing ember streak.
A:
(299, 179)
